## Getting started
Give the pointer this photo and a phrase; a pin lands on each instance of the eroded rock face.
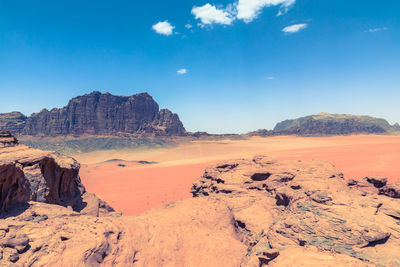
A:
(392, 190)
(301, 205)
(12, 121)
(7, 140)
(167, 123)
(254, 212)
(28, 174)
(97, 114)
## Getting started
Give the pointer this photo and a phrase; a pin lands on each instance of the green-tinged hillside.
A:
(89, 144)
(331, 124)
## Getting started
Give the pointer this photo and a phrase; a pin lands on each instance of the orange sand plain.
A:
(137, 187)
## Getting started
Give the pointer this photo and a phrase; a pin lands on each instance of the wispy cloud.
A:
(376, 29)
(181, 71)
(163, 27)
(270, 77)
(294, 28)
(188, 26)
(248, 10)
(209, 14)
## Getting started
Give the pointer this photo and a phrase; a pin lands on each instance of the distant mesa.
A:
(97, 114)
(330, 124)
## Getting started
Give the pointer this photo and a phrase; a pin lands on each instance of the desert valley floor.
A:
(133, 187)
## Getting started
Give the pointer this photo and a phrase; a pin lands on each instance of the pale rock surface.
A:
(248, 212)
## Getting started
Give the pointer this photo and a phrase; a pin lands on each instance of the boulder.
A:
(28, 174)
(392, 190)
(377, 181)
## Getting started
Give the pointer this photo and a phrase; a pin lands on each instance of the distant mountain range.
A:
(104, 114)
(330, 124)
(97, 114)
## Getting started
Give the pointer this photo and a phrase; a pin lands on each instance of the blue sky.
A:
(239, 69)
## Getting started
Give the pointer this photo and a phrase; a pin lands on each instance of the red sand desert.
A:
(137, 187)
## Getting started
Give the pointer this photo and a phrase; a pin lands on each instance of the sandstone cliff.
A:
(13, 122)
(28, 174)
(97, 114)
(253, 212)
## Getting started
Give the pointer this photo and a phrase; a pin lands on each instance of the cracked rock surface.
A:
(247, 212)
(306, 207)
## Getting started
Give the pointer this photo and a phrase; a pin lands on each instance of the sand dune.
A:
(135, 188)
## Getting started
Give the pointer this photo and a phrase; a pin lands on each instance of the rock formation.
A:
(164, 123)
(97, 114)
(7, 140)
(254, 212)
(28, 174)
(13, 122)
(286, 208)
(330, 124)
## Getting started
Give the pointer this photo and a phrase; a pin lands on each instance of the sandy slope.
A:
(138, 187)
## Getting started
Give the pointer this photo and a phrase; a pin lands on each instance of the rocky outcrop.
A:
(164, 123)
(7, 140)
(28, 174)
(392, 190)
(98, 114)
(13, 122)
(248, 212)
(307, 207)
(329, 124)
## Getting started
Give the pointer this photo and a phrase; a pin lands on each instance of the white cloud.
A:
(270, 78)
(376, 29)
(248, 10)
(188, 26)
(163, 27)
(294, 28)
(209, 14)
(181, 71)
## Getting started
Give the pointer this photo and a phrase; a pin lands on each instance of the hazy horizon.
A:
(222, 66)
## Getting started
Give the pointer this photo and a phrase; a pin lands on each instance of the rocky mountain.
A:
(97, 114)
(13, 122)
(248, 212)
(330, 124)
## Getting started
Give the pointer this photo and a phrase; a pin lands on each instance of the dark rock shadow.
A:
(14, 210)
